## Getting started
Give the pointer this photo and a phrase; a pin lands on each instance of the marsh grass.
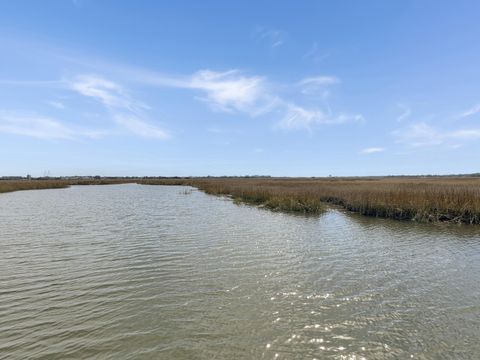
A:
(431, 199)
(186, 192)
(17, 185)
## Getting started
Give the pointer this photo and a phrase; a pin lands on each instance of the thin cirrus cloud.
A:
(406, 111)
(230, 90)
(234, 91)
(109, 93)
(319, 80)
(317, 85)
(40, 127)
(227, 91)
(56, 104)
(224, 91)
(127, 112)
(470, 112)
(466, 134)
(140, 127)
(419, 135)
(422, 134)
(298, 117)
(373, 150)
(315, 54)
(273, 37)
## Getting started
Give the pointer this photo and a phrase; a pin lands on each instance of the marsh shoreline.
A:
(420, 199)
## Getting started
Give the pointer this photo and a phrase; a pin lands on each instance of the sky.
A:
(280, 88)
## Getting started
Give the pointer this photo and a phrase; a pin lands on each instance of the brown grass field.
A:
(17, 185)
(428, 199)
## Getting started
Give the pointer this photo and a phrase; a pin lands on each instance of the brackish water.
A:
(155, 272)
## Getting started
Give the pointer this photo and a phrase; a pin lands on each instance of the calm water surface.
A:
(153, 272)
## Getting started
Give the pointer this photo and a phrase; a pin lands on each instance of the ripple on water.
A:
(151, 272)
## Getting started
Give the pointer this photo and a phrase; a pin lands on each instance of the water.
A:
(153, 272)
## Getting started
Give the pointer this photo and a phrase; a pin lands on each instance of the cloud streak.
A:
(320, 80)
(109, 93)
(406, 112)
(422, 134)
(317, 85)
(273, 37)
(315, 54)
(373, 150)
(298, 117)
(41, 127)
(234, 91)
(470, 112)
(56, 104)
(223, 91)
(127, 112)
(231, 91)
(140, 127)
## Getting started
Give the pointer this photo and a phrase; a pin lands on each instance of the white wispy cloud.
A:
(273, 37)
(140, 127)
(227, 91)
(108, 92)
(319, 80)
(419, 134)
(33, 83)
(218, 130)
(372, 150)
(115, 98)
(422, 134)
(470, 112)
(455, 146)
(468, 134)
(230, 90)
(317, 85)
(41, 127)
(235, 91)
(56, 104)
(96, 87)
(298, 117)
(315, 54)
(33, 126)
(406, 111)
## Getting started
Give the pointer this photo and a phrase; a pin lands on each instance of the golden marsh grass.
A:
(429, 199)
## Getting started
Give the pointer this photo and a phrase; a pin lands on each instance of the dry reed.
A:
(430, 199)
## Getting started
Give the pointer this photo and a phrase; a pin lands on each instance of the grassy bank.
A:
(260, 193)
(433, 199)
(18, 185)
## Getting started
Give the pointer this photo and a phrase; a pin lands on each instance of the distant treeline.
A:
(98, 177)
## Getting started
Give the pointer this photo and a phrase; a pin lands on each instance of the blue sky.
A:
(281, 88)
